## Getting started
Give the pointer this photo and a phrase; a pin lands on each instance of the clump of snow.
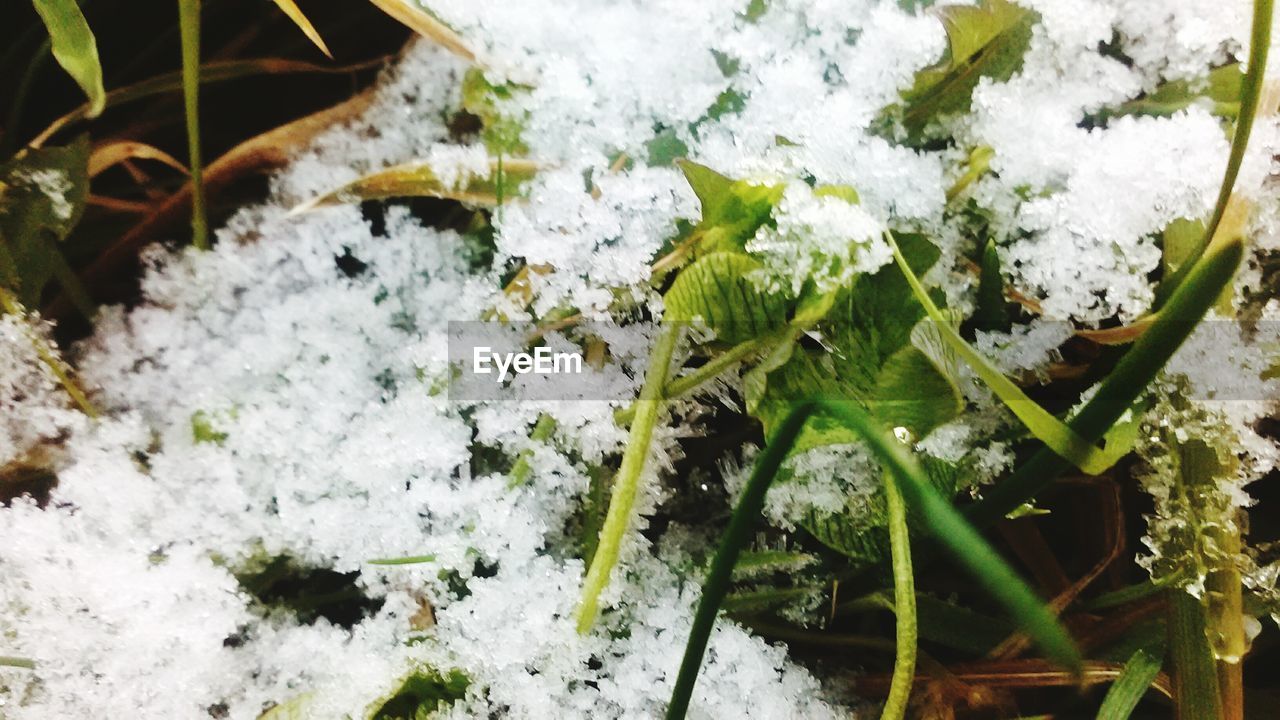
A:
(820, 238)
(36, 410)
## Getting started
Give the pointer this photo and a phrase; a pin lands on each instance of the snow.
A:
(336, 442)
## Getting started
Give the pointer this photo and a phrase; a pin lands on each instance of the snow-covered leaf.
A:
(983, 40)
(717, 288)
(42, 196)
(501, 180)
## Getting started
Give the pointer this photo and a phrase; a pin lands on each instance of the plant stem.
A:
(628, 481)
(11, 306)
(1195, 681)
(17, 662)
(1226, 624)
(979, 164)
(709, 371)
(189, 24)
(904, 603)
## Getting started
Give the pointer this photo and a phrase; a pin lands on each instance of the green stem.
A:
(1250, 91)
(1195, 679)
(17, 662)
(618, 518)
(904, 604)
(705, 373)
(541, 431)
(11, 306)
(968, 547)
(189, 24)
(979, 164)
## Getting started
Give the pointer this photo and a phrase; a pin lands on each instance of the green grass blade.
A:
(943, 520)
(1040, 422)
(1125, 693)
(75, 48)
(904, 605)
(189, 24)
(1250, 92)
(1149, 354)
(411, 560)
(17, 662)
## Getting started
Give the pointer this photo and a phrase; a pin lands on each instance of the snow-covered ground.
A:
(324, 435)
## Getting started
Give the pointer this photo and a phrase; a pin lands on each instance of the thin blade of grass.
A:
(944, 521)
(17, 662)
(1044, 426)
(1122, 387)
(75, 48)
(1250, 92)
(1125, 693)
(290, 8)
(422, 22)
(411, 560)
(189, 25)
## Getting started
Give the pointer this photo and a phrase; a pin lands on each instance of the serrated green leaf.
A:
(42, 196)
(75, 48)
(717, 288)
(983, 40)
(732, 210)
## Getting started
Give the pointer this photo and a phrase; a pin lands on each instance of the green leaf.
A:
(983, 40)
(754, 564)
(764, 599)
(420, 694)
(1222, 89)
(504, 181)
(732, 210)
(501, 131)
(1045, 427)
(991, 313)
(665, 149)
(203, 429)
(42, 196)
(717, 288)
(75, 48)
(1128, 689)
(911, 392)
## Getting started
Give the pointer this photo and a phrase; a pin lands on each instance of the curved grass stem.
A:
(904, 605)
